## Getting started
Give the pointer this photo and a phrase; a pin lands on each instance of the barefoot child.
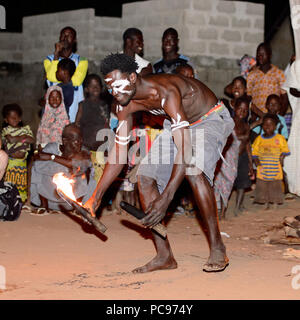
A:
(268, 151)
(16, 143)
(245, 166)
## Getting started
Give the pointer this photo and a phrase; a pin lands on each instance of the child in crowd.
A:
(65, 70)
(268, 151)
(54, 118)
(273, 105)
(92, 116)
(238, 90)
(17, 140)
(245, 171)
(185, 70)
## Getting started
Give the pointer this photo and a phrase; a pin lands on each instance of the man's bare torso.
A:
(163, 94)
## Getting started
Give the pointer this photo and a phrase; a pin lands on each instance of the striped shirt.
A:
(268, 151)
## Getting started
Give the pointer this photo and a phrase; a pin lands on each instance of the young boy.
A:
(273, 105)
(65, 70)
(268, 152)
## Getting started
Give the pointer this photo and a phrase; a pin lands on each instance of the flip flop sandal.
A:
(54, 211)
(217, 267)
(27, 208)
(289, 197)
(40, 212)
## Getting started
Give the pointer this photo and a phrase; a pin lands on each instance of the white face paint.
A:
(163, 100)
(118, 86)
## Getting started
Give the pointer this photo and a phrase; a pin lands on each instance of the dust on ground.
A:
(58, 257)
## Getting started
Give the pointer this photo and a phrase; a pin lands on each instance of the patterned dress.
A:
(16, 171)
(226, 171)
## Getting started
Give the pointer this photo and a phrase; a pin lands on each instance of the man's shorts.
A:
(208, 140)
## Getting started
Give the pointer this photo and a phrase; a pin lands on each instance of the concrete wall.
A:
(41, 32)
(213, 33)
(226, 29)
(11, 47)
(218, 29)
(283, 44)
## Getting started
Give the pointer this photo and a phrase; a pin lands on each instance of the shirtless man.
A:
(188, 103)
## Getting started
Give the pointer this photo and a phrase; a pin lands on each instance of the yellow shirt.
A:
(78, 76)
(268, 151)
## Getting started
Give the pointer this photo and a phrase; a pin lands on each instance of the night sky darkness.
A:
(275, 11)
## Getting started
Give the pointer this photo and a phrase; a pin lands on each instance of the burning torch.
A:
(65, 191)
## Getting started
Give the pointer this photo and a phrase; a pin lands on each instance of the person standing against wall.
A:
(65, 48)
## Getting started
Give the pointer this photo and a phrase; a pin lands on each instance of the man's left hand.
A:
(155, 212)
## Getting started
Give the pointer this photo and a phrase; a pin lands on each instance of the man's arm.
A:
(50, 69)
(79, 114)
(117, 158)
(80, 72)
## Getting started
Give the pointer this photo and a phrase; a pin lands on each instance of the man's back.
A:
(195, 97)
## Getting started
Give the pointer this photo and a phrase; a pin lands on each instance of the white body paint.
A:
(119, 86)
(177, 124)
(120, 139)
(119, 108)
(157, 112)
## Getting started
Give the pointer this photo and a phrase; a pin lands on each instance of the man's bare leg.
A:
(206, 203)
(164, 258)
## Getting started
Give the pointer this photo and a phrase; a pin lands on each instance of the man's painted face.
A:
(121, 86)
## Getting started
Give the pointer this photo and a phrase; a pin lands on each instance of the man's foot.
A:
(157, 264)
(39, 212)
(217, 261)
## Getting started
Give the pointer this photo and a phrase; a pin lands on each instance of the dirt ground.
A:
(57, 257)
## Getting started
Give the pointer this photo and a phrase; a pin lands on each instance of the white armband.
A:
(122, 140)
(178, 124)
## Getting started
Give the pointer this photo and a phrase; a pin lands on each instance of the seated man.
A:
(68, 158)
(192, 110)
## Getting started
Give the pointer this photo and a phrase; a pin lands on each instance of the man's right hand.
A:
(92, 205)
(58, 48)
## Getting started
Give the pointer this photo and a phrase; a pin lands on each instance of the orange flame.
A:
(64, 185)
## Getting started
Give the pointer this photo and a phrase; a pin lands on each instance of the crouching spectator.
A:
(69, 158)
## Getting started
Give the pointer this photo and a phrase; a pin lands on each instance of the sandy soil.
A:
(56, 257)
